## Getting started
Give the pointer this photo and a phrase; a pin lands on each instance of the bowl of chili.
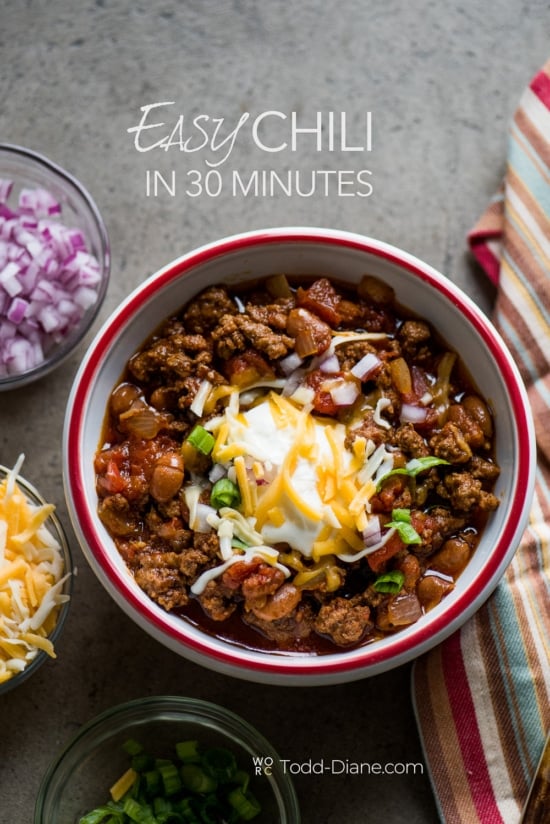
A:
(299, 456)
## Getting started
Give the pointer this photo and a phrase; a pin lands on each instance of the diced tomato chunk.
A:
(113, 481)
(378, 559)
(323, 402)
(322, 299)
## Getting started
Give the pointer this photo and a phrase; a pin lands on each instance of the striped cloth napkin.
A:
(482, 698)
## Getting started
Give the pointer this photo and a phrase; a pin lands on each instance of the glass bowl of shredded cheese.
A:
(35, 578)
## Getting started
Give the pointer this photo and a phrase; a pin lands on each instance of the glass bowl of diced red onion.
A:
(54, 265)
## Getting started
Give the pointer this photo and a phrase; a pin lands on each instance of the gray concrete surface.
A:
(441, 81)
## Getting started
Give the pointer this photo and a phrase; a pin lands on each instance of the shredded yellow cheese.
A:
(31, 578)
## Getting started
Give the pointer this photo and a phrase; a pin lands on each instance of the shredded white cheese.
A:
(381, 404)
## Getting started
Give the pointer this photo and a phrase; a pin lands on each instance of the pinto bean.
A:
(167, 477)
(431, 589)
(372, 288)
(452, 557)
(278, 605)
(123, 397)
(480, 413)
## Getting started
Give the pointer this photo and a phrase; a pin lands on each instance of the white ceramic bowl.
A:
(347, 257)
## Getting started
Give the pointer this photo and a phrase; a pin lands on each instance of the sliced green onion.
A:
(196, 780)
(401, 522)
(170, 778)
(390, 582)
(401, 515)
(132, 747)
(413, 468)
(201, 439)
(141, 762)
(151, 782)
(212, 811)
(242, 778)
(99, 815)
(225, 493)
(207, 792)
(244, 803)
(220, 764)
(133, 809)
(416, 465)
(188, 752)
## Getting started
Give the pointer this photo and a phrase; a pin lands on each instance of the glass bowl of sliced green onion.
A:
(164, 760)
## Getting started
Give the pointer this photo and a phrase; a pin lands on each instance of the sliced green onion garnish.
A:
(132, 747)
(211, 790)
(201, 439)
(220, 763)
(244, 803)
(401, 522)
(416, 465)
(170, 778)
(196, 780)
(188, 752)
(141, 762)
(225, 493)
(390, 582)
(413, 468)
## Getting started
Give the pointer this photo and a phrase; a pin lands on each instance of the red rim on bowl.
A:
(348, 665)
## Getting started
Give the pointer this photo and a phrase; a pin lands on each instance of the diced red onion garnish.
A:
(290, 363)
(366, 366)
(410, 413)
(38, 202)
(5, 190)
(373, 532)
(293, 382)
(17, 310)
(218, 471)
(345, 393)
(330, 365)
(48, 278)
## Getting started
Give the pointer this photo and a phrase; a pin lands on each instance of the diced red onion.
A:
(290, 363)
(48, 278)
(373, 532)
(17, 310)
(5, 190)
(410, 413)
(293, 382)
(38, 202)
(218, 471)
(330, 365)
(366, 366)
(404, 609)
(345, 393)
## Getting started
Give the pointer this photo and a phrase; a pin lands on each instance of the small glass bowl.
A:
(78, 780)
(56, 529)
(30, 170)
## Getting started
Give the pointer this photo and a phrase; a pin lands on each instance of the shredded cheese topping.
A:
(31, 578)
(300, 482)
